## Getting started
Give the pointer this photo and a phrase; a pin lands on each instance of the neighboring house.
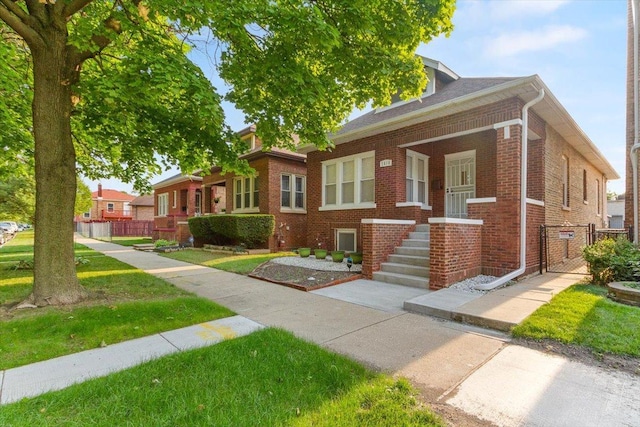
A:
(142, 208)
(615, 211)
(109, 205)
(447, 168)
(278, 188)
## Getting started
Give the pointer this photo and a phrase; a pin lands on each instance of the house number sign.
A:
(385, 163)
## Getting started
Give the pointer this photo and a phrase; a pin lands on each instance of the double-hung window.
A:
(163, 204)
(245, 194)
(110, 207)
(417, 173)
(292, 192)
(565, 182)
(349, 182)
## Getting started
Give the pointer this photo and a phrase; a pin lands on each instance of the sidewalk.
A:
(467, 367)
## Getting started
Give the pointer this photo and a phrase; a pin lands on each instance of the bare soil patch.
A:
(301, 278)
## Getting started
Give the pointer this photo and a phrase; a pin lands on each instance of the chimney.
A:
(100, 191)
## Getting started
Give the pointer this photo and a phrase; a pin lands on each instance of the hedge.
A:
(250, 230)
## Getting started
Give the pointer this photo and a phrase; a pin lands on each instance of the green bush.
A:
(613, 260)
(160, 243)
(250, 230)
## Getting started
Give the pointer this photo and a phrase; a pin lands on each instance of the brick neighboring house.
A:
(278, 188)
(142, 208)
(109, 205)
(448, 169)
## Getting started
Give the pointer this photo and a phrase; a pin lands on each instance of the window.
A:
(599, 197)
(292, 192)
(175, 199)
(87, 215)
(346, 239)
(349, 182)
(565, 182)
(245, 194)
(163, 204)
(110, 207)
(585, 190)
(417, 172)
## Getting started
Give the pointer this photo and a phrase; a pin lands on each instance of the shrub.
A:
(160, 243)
(612, 260)
(251, 230)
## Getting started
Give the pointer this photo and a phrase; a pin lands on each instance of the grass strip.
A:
(267, 378)
(583, 315)
(240, 264)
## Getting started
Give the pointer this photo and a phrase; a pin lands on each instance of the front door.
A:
(460, 182)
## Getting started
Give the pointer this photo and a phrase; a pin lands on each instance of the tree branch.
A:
(17, 19)
(74, 7)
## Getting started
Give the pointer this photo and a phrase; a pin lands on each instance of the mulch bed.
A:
(304, 279)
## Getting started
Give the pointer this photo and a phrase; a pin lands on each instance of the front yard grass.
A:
(241, 264)
(583, 315)
(124, 303)
(267, 378)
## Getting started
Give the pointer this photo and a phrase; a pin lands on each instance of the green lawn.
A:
(268, 378)
(241, 264)
(129, 241)
(125, 303)
(583, 315)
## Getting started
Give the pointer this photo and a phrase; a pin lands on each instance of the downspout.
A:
(636, 145)
(523, 200)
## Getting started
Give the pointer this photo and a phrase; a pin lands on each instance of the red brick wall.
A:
(143, 213)
(456, 253)
(379, 239)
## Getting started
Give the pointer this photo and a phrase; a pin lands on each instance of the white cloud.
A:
(506, 9)
(546, 38)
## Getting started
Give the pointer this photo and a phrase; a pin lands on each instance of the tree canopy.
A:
(113, 88)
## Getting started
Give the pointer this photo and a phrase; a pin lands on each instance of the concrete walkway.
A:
(470, 368)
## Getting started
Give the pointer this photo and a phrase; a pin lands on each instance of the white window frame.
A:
(175, 199)
(293, 192)
(565, 182)
(252, 191)
(357, 182)
(86, 214)
(111, 207)
(340, 231)
(163, 204)
(415, 156)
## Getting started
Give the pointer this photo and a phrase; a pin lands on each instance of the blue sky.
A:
(577, 47)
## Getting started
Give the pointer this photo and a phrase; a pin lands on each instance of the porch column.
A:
(206, 199)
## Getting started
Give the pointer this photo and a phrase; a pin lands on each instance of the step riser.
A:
(419, 236)
(414, 282)
(409, 260)
(423, 228)
(410, 270)
(421, 252)
(415, 243)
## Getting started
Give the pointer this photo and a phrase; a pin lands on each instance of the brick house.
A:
(277, 188)
(109, 205)
(430, 191)
(176, 199)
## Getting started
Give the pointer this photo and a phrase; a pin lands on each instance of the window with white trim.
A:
(346, 239)
(565, 182)
(349, 182)
(163, 204)
(245, 194)
(175, 199)
(417, 173)
(292, 192)
(110, 207)
(87, 215)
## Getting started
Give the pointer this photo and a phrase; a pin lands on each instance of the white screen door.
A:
(460, 183)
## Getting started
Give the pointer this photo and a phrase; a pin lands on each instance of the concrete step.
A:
(411, 270)
(426, 228)
(416, 243)
(401, 279)
(409, 260)
(413, 251)
(419, 235)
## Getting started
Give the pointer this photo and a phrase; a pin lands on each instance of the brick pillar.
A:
(379, 239)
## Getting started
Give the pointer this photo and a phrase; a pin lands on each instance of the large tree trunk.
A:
(55, 280)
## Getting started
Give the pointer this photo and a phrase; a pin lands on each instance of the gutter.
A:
(523, 200)
(633, 153)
